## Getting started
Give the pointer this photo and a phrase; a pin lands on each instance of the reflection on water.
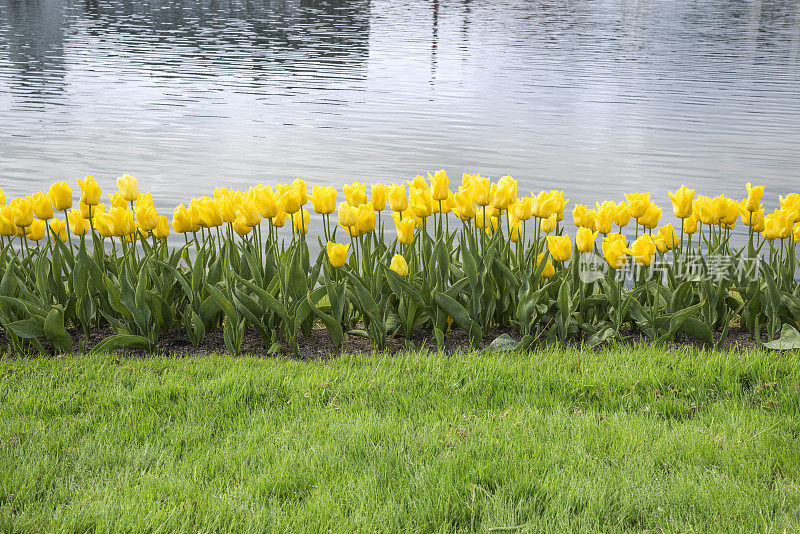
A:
(596, 97)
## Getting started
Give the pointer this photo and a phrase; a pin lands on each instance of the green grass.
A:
(624, 439)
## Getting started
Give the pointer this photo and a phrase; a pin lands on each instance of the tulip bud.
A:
(399, 265)
(128, 187)
(60, 194)
(584, 239)
(90, 191)
(337, 254)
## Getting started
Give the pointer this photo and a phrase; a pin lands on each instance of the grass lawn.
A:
(623, 439)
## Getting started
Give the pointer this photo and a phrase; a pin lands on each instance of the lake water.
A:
(595, 97)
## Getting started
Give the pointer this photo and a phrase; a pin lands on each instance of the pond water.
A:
(595, 97)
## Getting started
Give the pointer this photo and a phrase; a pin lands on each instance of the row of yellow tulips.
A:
(477, 201)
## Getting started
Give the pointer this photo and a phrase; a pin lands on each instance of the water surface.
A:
(596, 97)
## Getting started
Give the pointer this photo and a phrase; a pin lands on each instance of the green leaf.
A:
(55, 332)
(789, 340)
(122, 341)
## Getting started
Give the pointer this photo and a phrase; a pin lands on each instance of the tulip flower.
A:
(210, 216)
(161, 231)
(549, 224)
(560, 247)
(506, 193)
(643, 250)
(418, 183)
(548, 271)
(146, 216)
(21, 212)
(651, 216)
(561, 203)
(584, 239)
(481, 189)
(240, 226)
(682, 201)
(670, 237)
(60, 194)
(59, 229)
(291, 198)
(516, 229)
(579, 215)
(604, 219)
(464, 208)
(405, 229)
(78, 224)
(355, 193)
(399, 265)
(337, 254)
(104, 224)
(440, 184)
(36, 230)
(117, 200)
(251, 216)
(544, 205)
(637, 203)
(279, 219)
(379, 191)
(397, 198)
(122, 222)
(42, 207)
(300, 222)
(796, 232)
(128, 187)
(421, 202)
(523, 208)
(366, 218)
(622, 214)
(181, 220)
(614, 250)
(2, 197)
(90, 191)
(348, 215)
(323, 199)
(7, 226)
(754, 194)
(690, 225)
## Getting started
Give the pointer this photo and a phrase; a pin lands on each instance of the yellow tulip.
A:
(481, 190)
(643, 250)
(690, 225)
(397, 198)
(399, 265)
(220, 192)
(638, 203)
(405, 229)
(614, 250)
(355, 193)
(523, 208)
(78, 224)
(128, 187)
(584, 239)
(754, 194)
(549, 224)
(337, 254)
(777, 225)
(42, 207)
(90, 191)
(323, 199)
(117, 200)
(366, 218)
(703, 209)
(491, 226)
(560, 247)
(161, 231)
(561, 203)
(35, 231)
(682, 201)
(291, 198)
(21, 212)
(441, 185)
(421, 202)
(506, 193)
(226, 208)
(103, 224)
(181, 220)
(279, 219)
(348, 215)
(378, 196)
(2, 197)
(418, 182)
(146, 216)
(59, 229)
(548, 270)
(670, 237)
(651, 216)
(604, 219)
(622, 214)
(210, 216)
(791, 203)
(251, 216)
(122, 222)
(464, 208)
(7, 226)
(240, 226)
(264, 199)
(60, 194)
(579, 215)
(145, 199)
(352, 231)
(796, 232)
(545, 204)
(300, 222)
(516, 229)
